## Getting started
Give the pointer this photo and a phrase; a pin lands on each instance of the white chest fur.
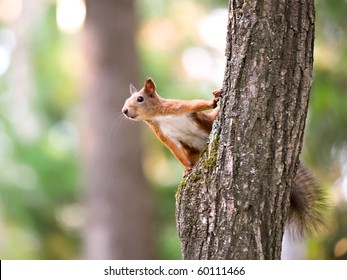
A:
(182, 129)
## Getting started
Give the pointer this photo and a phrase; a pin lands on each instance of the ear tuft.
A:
(132, 89)
(149, 86)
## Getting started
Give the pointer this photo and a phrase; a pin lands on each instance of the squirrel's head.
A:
(141, 105)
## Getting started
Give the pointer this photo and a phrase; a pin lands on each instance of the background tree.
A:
(233, 205)
(119, 224)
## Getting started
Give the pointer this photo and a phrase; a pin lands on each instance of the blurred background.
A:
(79, 181)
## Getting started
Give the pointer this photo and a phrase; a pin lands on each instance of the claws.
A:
(214, 102)
(216, 93)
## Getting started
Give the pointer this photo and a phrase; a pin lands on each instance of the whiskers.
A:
(117, 115)
(116, 123)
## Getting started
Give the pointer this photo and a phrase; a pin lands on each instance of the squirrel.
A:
(184, 127)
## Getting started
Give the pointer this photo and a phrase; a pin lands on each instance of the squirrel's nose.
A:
(125, 111)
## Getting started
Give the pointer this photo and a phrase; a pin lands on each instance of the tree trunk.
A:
(118, 202)
(233, 205)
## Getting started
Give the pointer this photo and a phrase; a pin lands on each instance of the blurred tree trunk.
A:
(233, 205)
(118, 203)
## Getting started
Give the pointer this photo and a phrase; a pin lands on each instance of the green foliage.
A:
(327, 124)
(326, 132)
(167, 242)
(40, 172)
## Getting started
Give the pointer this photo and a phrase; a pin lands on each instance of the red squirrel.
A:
(182, 125)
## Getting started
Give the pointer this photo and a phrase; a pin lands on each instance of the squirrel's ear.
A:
(132, 89)
(149, 86)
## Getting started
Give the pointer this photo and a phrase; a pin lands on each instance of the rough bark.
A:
(118, 202)
(233, 205)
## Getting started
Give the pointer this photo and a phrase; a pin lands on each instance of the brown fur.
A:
(153, 106)
(308, 204)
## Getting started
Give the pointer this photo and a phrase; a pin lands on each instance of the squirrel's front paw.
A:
(217, 93)
(214, 103)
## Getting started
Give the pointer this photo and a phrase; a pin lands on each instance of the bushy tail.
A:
(308, 205)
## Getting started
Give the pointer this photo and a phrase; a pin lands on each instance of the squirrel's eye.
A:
(140, 99)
